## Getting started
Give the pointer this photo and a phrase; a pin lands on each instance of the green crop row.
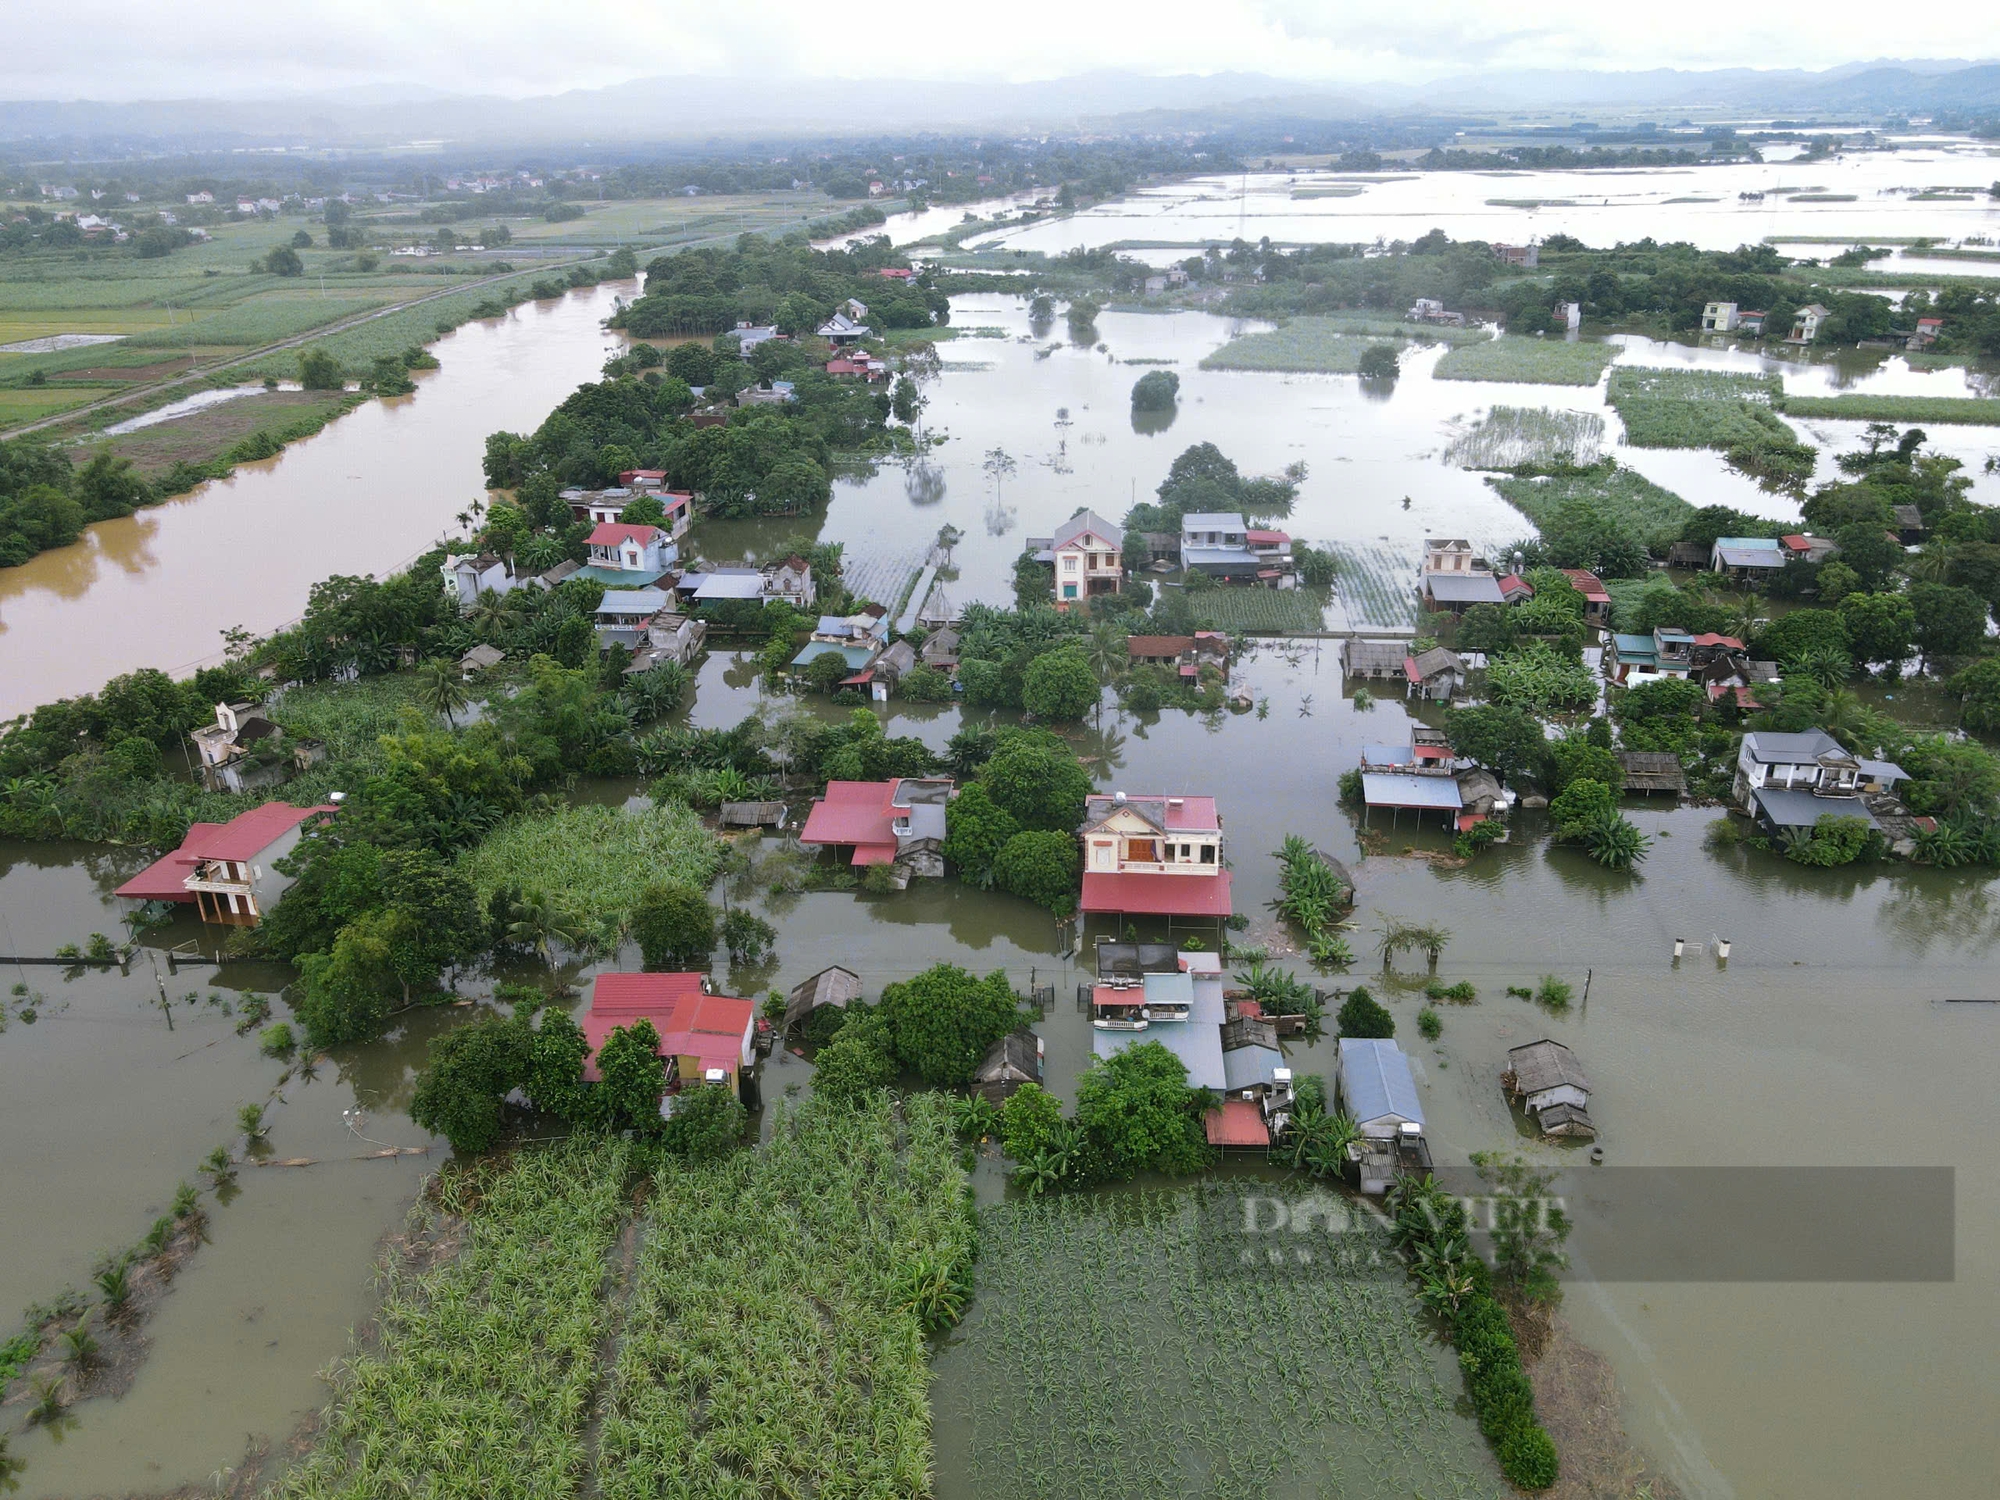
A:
(1527, 361)
(1258, 611)
(1933, 409)
(1654, 515)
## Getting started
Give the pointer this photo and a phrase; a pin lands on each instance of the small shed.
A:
(752, 815)
(1435, 674)
(1360, 658)
(1545, 1078)
(940, 649)
(479, 659)
(1010, 1062)
(1688, 555)
(832, 986)
(1909, 524)
(1652, 771)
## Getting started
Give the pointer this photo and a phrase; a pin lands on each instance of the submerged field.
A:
(1652, 514)
(1123, 1346)
(1527, 361)
(1327, 345)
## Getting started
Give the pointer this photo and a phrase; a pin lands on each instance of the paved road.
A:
(203, 372)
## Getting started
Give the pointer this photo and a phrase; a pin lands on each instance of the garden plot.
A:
(1119, 1346)
(1376, 584)
(1527, 361)
(1508, 437)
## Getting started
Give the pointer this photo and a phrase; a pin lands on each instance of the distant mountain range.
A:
(696, 108)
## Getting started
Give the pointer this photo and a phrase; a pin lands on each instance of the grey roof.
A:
(1463, 588)
(1376, 1082)
(1787, 808)
(1749, 552)
(1908, 517)
(1247, 1067)
(482, 656)
(1544, 1065)
(1212, 520)
(1014, 1057)
(1358, 656)
(1388, 789)
(1087, 520)
(1201, 555)
(640, 602)
(1771, 748)
(830, 986)
(1883, 770)
(1137, 958)
(1651, 770)
(731, 583)
(1197, 1045)
(899, 658)
(1438, 659)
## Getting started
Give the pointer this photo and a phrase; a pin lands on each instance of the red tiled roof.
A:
(1236, 1122)
(853, 812)
(1512, 584)
(1158, 645)
(709, 1028)
(1193, 815)
(1710, 638)
(1157, 895)
(1117, 994)
(1268, 538)
(1745, 698)
(655, 475)
(1250, 1009)
(616, 534)
(1798, 541)
(242, 838)
(1588, 584)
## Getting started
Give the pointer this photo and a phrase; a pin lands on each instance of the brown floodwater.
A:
(365, 495)
(1829, 1038)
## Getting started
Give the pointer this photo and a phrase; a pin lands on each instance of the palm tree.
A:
(488, 612)
(541, 922)
(1616, 842)
(1749, 610)
(1933, 564)
(1105, 649)
(441, 690)
(1828, 666)
(1843, 715)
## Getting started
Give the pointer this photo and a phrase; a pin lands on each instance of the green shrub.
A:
(1362, 1015)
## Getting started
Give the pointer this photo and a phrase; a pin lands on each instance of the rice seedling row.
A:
(1508, 437)
(1259, 611)
(1326, 345)
(598, 858)
(1724, 410)
(1375, 582)
(483, 1381)
(1527, 361)
(1120, 1348)
(775, 1339)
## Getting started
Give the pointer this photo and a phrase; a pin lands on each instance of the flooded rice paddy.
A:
(1832, 1036)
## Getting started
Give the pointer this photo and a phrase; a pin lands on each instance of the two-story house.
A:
(1718, 317)
(901, 821)
(629, 556)
(1455, 578)
(791, 581)
(1806, 323)
(1165, 996)
(1088, 554)
(243, 749)
(228, 871)
(469, 575)
(1218, 543)
(1792, 780)
(1153, 855)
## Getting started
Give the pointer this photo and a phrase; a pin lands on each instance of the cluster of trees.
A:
(936, 1025)
(471, 1071)
(1203, 478)
(46, 501)
(1134, 1113)
(1013, 826)
(783, 282)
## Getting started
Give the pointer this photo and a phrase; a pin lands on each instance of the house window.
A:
(1069, 562)
(1208, 854)
(1069, 591)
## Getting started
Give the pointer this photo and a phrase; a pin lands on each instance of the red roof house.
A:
(1236, 1122)
(228, 870)
(1154, 856)
(1514, 589)
(879, 820)
(700, 1034)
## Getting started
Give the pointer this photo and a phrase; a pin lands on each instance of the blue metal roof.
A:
(1388, 755)
(1376, 1082)
(856, 657)
(1388, 789)
(1196, 1045)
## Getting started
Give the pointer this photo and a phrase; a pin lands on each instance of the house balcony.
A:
(1135, 1022)
(214, 875)
(1166, 867)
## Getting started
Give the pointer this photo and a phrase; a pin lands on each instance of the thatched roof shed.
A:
(1546, 1077)
(1652, 771)
(833, 986)
(752, 815)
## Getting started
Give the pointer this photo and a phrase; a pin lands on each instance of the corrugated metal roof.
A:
(1376, 1082)
(1196, 1045)
(1247, 1067)
(1794, 809)
(1464, 588)
(1388, 789)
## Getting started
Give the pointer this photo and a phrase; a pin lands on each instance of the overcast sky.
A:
(154, 49)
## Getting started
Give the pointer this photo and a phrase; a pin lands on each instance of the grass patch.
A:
(1825, 197)
(262, 321)
(350, 717)
(1322, 345)
(1930, 409)
(1527, 361)
(1258, 611)
(1652, 514)
(1731, 412)
(482, 1382)
(204, 437)
(1339, 190)
(1509, 436)
(597, 858)
(1069, 1382)
(782, 1300)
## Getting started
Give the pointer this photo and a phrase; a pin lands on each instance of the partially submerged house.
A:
(228, 871)
(243, 750)
(622, 615)
(624, 556)
(481, 658)
(1373, 659)
(1183, 1010)
(667, 637)
(1186, 654)
(1087, 553)
(1378, 1090)
(1010, 1062)
(468, 575)
(1596, 598)
(898, 822)
(1791, 781)
(1218, 543)
(1153, 855)
(704, 1037)
(1545, 1079)
(1435, 674)
(940, 649)
(1651, 771)
(1747, 557)
(833, 986)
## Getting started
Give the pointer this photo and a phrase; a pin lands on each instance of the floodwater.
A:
(1833, 1015)
(1700, 205)
(365, 495)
